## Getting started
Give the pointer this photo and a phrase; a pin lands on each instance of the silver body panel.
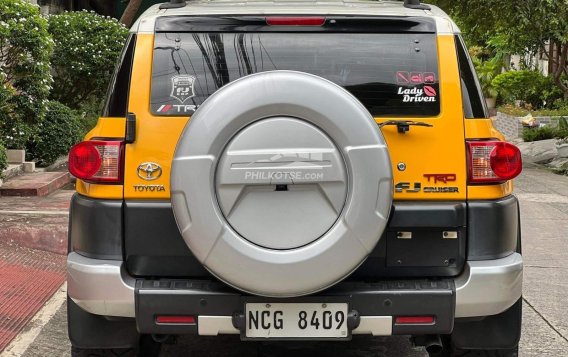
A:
(485, 287)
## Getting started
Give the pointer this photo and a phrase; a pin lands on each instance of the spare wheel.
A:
(281, 184)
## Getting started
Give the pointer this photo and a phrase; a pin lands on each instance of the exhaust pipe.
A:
(160, 338)
(432, 343)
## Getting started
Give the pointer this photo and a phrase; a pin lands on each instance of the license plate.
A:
(296, 320)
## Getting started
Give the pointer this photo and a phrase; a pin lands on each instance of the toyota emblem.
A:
(149, 171)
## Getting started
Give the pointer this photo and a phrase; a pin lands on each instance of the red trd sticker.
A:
(429, 78)
(402, 77)
(416, 78)
(429, 91)
(164, 108)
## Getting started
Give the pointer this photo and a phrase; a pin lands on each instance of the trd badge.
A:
(149, 171)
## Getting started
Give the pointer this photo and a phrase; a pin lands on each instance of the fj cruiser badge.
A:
(182, 87)
(149, 171)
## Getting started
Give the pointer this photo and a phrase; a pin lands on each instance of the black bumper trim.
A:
(493, 228)
(95, 227)
(387, 298)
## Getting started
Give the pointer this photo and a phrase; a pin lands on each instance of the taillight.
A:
(493, 161)
(97, 161)
(295, 20)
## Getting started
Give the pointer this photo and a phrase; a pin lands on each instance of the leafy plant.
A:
(59, 130)
(87, 46)
(562, 133)
(487, 71)
(527, 86)
(25, 78)
(537, 134)
(3, 158)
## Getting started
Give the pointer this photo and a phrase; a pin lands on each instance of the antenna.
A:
(173, 4)
(416, 4)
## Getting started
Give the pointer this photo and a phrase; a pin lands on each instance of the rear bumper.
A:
(485, 288)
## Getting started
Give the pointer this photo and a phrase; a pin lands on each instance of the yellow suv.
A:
(295, 170)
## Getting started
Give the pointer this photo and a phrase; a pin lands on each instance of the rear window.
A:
(392, 74)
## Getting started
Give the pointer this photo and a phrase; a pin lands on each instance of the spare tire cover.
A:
(281, 184)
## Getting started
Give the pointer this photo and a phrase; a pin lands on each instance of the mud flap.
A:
(501, 331)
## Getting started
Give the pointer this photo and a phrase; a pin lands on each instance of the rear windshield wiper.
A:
(403, 126)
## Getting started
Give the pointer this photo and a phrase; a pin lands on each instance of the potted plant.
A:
(562, 142)
(562, 147)
(487, 71)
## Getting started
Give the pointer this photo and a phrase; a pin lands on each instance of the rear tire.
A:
(88, 352)
(451, 351)
(147, 347)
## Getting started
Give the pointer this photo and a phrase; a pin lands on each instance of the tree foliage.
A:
(87, 46)
(527, 86)
(526, 26)
(25, 79)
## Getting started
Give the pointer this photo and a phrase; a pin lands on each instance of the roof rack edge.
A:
(173, 4)
(416, 4)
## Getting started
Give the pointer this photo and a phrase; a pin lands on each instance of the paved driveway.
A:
(544, 204)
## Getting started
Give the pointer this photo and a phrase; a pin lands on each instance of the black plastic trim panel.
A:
(343, 24)
(386, 298)
(95, 227)
(154, 245)
(493, 228)
(428, 214)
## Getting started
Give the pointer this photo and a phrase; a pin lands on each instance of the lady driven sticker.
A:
(418, 95)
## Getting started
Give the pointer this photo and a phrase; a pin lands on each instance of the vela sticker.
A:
(402, 77)
(429, 78)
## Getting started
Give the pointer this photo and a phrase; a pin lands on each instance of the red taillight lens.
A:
(295, 21)
(493, 161)
(97, 161)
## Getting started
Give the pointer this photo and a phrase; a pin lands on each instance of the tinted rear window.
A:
(391, 74)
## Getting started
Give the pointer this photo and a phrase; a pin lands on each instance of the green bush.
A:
(3, 158)
(87, 47)
(55, 135)
(25, 78)
(562, 131)
(542, 133)
(531, 87)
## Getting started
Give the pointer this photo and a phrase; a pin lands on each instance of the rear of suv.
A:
(295, 171)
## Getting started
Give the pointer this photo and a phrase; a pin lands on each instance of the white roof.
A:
(146, 22)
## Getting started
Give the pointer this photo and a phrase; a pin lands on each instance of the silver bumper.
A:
(102, 287)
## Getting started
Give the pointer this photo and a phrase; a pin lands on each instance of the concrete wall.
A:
(512, 128)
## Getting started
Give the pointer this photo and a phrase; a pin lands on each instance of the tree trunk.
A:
(130, 12)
